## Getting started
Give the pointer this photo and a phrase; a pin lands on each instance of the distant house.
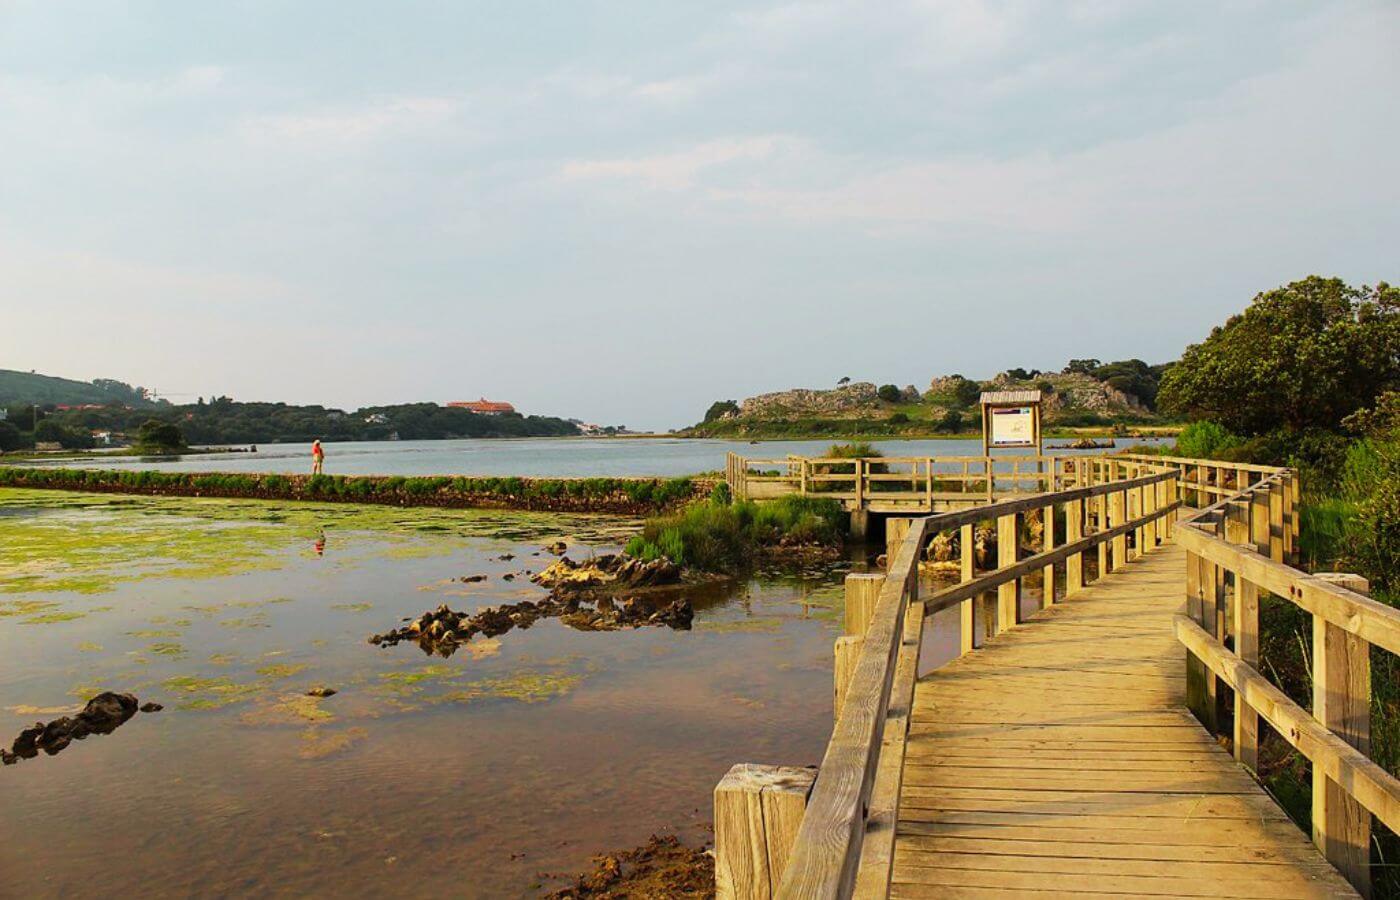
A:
(483, 407)
(377, 419)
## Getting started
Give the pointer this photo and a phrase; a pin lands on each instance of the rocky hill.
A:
(1092, 395)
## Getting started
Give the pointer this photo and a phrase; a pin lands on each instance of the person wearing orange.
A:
(318, 457)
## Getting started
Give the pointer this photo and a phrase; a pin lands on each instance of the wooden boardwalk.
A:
(1060, 760)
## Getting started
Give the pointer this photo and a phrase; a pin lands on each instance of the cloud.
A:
(676, 170)
(350, 125)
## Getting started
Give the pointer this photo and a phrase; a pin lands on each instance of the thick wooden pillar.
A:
(967, 637)
(896, 527)
(1047, 590)
(1342, 702)
(1008, 551)
(1074, 530)
(758, 810)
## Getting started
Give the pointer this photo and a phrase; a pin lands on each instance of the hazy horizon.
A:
(622, 212)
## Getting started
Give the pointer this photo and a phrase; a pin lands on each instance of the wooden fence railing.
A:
(1236, 547)
(844, 844)
(892, 478)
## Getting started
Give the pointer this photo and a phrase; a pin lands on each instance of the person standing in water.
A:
(318, 457)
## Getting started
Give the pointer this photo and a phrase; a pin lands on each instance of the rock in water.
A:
(102, 715)
(151, 707)
(321, 691)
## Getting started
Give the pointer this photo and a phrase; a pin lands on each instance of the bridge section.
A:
(1061, 759)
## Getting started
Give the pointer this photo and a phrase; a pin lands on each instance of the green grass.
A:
(714, 536)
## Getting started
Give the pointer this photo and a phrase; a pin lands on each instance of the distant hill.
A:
(28, 387)
(1086, 394)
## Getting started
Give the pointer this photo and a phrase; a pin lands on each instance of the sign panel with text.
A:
(1013, 426)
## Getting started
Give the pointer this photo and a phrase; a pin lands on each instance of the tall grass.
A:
(715, 536)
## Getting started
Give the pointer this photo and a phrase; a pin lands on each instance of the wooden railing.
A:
(844, 844)
(1204, 482)
(892, 478)
(1236, 547)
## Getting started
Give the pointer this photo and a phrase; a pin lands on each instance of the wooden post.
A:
(1342, 702)
(967, 638)
(1204, 589)
(1259, 521)
(1295, 490)
(1047, 578)
(758, 810)
(1101, 524)
(1288, 513)
(928, 484)
(1276, 488)
(1116, 503)
(860, 483)
(1246, 628)
(896, 527)
(803, 473)
(862, 592)
(1074, 530)
(1008, 594)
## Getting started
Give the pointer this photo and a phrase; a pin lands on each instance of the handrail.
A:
(845, 841)
(1236, 549)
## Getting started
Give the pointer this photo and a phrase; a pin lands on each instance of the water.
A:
(543, 457)
(484, 774)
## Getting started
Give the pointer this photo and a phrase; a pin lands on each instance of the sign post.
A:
(1010, 419)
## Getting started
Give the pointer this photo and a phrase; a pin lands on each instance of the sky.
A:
(623, 211)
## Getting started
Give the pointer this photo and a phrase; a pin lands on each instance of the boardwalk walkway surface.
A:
(1060, 760)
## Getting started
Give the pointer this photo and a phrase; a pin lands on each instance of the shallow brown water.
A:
(486, 774)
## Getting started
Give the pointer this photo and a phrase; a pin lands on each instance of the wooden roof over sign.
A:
(1009, 398)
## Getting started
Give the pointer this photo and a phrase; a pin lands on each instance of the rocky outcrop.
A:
(848, 399)
(442, 631)
(611, 570)
(103, 714)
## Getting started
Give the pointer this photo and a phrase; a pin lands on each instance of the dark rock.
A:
(151, 707)
(472, 579)
(321, 691)
(103, 714)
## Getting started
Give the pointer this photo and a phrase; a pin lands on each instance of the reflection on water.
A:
(484, 774)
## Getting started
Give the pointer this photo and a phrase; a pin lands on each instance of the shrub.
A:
(899, 418)
(719, 537)
(1205, 440)
(888, 393)
(720, 494)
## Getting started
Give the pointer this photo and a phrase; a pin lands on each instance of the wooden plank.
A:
(1057, 760)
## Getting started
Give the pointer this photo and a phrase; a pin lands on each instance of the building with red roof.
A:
(483, 406)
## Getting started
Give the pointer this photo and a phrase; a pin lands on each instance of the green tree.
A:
(51, 432)
(951, 422)
(10, 438)
(721, 408)
(888, 393)
(1301, 357)
(160, 437)
(965, 391)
